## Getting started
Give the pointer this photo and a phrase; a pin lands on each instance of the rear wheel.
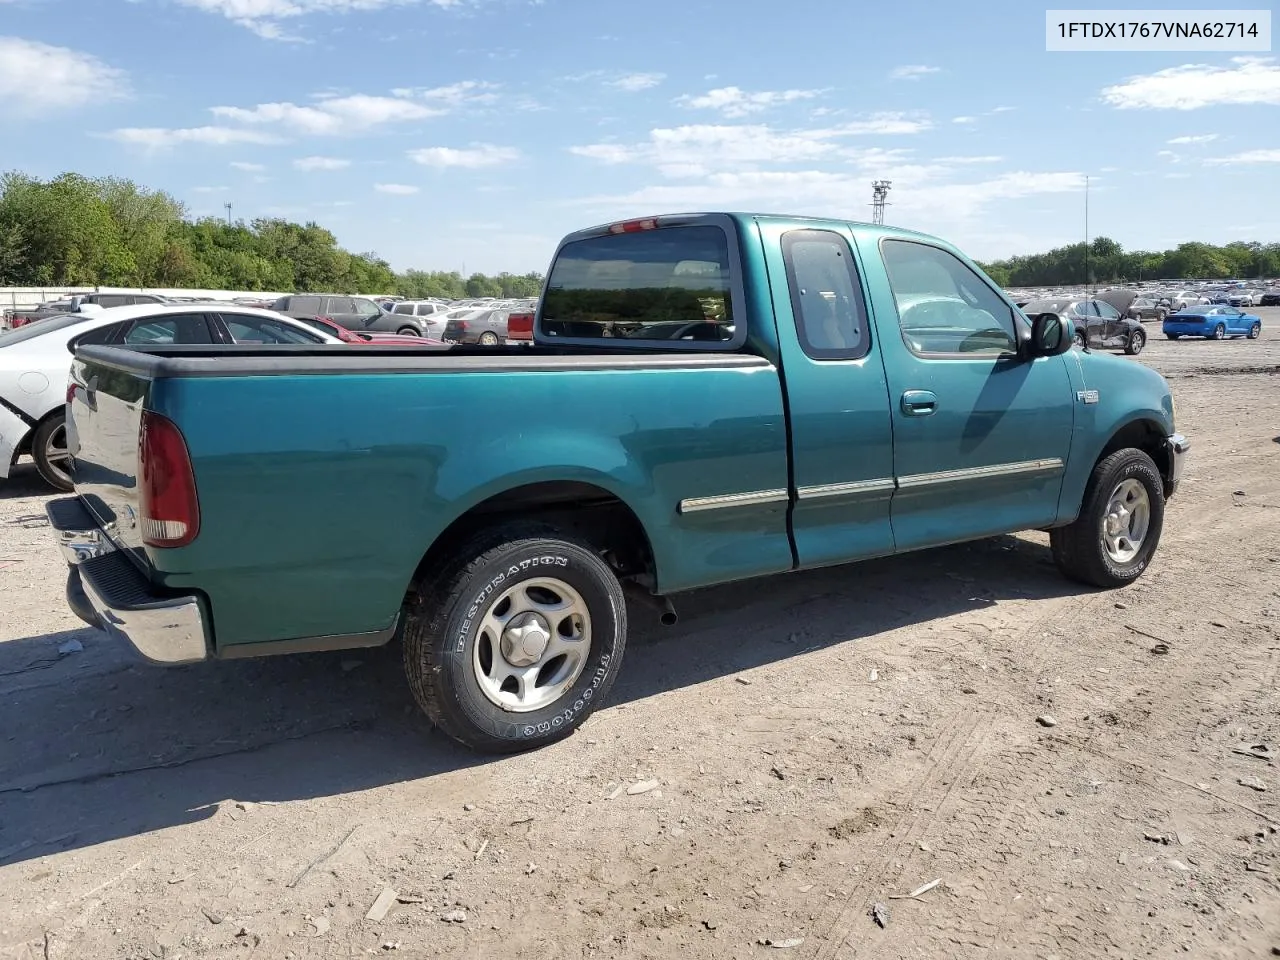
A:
(1255, 331)
(1137, 340)
(489, 338)
(49, 451)
(518, 641)
(1219, 332)
(409, 332)
(1078, 341)
(1113, 539)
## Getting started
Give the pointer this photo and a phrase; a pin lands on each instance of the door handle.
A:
(919, 403)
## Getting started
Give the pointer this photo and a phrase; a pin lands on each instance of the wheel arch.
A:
(584, 509)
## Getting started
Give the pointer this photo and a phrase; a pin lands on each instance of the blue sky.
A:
(445, 134)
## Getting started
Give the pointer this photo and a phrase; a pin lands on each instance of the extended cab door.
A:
(837, 396)
(981, 436)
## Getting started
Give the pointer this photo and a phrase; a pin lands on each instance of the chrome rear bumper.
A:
(107, 591)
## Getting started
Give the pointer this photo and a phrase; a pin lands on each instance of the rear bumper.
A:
(1179, 446)
(107, 591)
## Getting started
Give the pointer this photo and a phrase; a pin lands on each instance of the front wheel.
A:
(1078, 341)
(1219, 332)
(1255, 331)
(1137, 341)
(518, 641)
(489, 338)
(1112, 541)
(49, 451)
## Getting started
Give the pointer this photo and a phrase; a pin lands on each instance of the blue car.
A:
(1212, 320)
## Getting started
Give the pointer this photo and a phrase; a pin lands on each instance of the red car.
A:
(383, 339)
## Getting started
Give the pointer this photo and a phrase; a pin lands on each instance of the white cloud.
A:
(264, 17)
(912, 72)
(159, 138)
(247, 167)
(396, 189)
(1197, 138)
(332, 115)
(682, 151)
(635, 82)
(477, 155)
(964, 119)
(884, 124)
(37, 78)
(1195, 85)
(321, 163)
(1249, 156)
(735, 102)
(1003, 109)
(453, 95)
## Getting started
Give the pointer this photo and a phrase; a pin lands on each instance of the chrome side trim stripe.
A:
(753, 499)
(993, 472)
(859, 488)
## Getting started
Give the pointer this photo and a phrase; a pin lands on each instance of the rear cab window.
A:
(670, 286)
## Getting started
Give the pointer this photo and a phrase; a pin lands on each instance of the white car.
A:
(35, 363)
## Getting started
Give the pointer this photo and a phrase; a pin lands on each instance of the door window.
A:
(826, 301)
(944, 307)
(404, 309)
(1106, 310)
(247, 329)
(365, 308)
(173, 328)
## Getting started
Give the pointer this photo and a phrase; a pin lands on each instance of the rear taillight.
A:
(520, 326)
(71, 392)
(170, 510)
(462, 324)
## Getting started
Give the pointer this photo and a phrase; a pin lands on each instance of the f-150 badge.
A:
(1087, 396)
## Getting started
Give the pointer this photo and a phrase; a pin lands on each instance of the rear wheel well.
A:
(24, 447)
(587, 512)
(1144, 435)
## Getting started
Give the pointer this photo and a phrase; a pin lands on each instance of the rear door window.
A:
(249, 329)
(172, 328)
(825, 296)
(404, 309)
(307, 305)
(668, 284)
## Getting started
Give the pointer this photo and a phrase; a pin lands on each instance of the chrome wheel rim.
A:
(1219, 332)
(1077, 341)
(532, 644)
(1138, 341)
(1126, 521)
(56, 453)
(488, 339)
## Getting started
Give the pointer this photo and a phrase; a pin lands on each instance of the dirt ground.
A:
(821, 743)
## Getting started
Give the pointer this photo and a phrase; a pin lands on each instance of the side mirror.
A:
(1051, 336)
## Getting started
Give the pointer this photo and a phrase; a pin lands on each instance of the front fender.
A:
(1112, 393)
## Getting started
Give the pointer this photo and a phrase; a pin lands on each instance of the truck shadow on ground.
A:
(99, 746)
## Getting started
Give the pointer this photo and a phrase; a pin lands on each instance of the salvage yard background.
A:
(1087, 774)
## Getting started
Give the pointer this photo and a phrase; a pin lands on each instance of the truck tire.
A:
(518, 641)
(48, 450)
(1113, 539)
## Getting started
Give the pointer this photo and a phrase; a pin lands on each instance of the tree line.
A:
(77, 231)
(1108, 262)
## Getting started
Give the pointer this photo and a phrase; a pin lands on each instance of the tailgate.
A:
(104, 416)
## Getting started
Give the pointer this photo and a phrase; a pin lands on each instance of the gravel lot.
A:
(821, 743)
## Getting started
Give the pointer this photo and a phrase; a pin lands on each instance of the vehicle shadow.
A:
(23, 481)
(100, 747)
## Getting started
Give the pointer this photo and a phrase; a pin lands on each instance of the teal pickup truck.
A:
(708, 397)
